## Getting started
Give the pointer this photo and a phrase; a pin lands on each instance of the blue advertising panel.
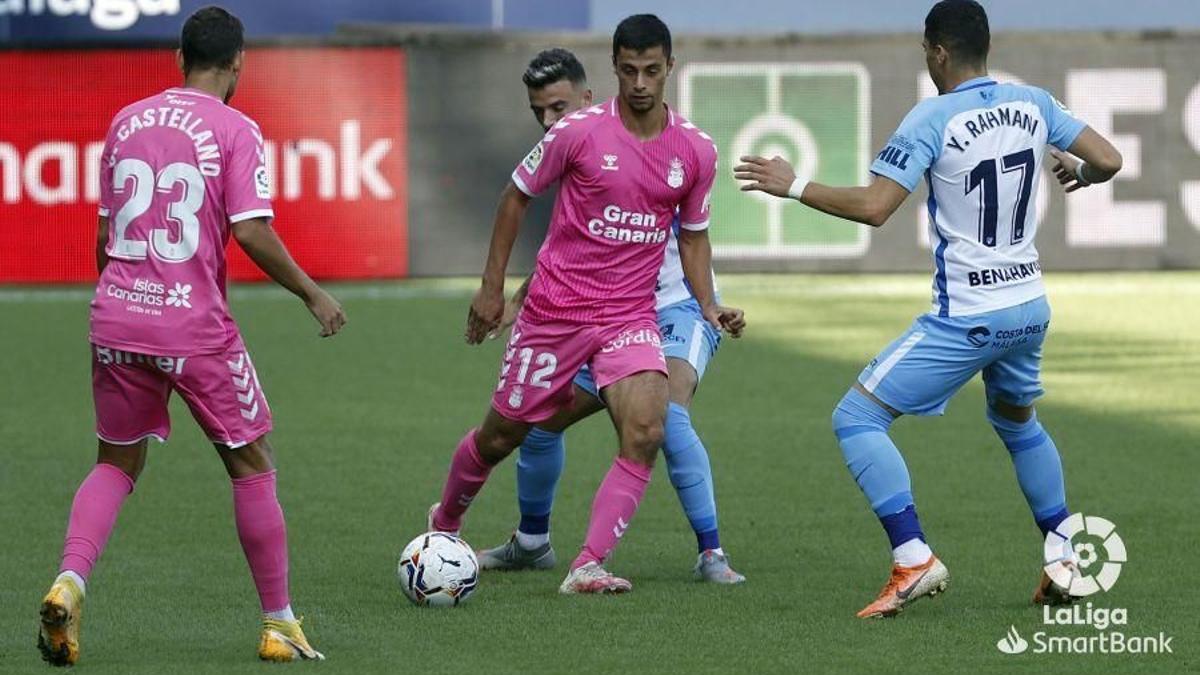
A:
(73, 21)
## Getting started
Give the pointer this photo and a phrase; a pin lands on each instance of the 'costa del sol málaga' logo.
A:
(1084, 554)
(979, 336)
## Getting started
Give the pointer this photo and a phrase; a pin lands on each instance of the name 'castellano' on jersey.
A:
(178, 169)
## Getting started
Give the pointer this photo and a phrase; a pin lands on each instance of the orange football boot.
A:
(906, 585)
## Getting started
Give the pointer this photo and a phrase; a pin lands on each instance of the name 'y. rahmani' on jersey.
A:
(178, 169)
(980, 148)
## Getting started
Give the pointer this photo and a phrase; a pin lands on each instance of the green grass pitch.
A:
(366, 422)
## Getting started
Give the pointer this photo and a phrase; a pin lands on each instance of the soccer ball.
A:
(438, 570)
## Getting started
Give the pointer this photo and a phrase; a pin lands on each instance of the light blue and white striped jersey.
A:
(980, 147)
(672, 285)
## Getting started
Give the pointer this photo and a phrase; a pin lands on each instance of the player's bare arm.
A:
(695, 254)
(101, 243)
(512, 308)
(258, 239)
(1095, 161)
(487, 308)
(870, 205)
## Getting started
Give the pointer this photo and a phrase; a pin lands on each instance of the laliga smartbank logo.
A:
(1084, 556)
(1012, 643)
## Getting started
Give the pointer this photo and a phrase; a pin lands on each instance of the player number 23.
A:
(182, 212)
(547, 363)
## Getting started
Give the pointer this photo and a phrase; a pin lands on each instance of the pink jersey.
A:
(177, 170)
(616, 202)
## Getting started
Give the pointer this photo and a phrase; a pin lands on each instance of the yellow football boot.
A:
(62, 610)
(283, 641)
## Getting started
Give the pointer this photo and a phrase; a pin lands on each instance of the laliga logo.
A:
(1084, 555)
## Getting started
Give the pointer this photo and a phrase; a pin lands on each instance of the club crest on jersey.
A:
(534, 159)
(610, 163)
(675, 173)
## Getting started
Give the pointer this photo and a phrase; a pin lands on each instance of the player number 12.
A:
(547, 362)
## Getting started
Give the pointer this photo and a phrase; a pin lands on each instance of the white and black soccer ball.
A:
(438, 570)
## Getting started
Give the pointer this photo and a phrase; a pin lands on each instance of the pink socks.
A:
(259, 519)
(263, 534)
(613, 508)
(468, 473)
(93, 514)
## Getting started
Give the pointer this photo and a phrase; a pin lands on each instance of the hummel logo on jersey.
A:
(620, 527)
(610, 163)
(244, 382)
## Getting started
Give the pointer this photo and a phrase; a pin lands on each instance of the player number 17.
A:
(984, 176)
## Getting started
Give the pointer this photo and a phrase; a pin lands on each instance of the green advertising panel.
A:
(815, 115)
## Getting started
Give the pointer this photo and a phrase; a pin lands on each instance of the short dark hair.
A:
(211, 38)
(961, 26)
(641, 32)
(552, 65)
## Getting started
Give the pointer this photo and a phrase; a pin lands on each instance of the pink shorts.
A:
(222, 390)
(542, 359)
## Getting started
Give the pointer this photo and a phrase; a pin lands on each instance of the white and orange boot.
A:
(1052, 592)
(906, 585)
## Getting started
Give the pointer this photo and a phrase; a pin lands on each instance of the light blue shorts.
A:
(920, 370)
(685, 335)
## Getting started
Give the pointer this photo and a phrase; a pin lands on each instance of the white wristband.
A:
(1079, 175)
(797, 188)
